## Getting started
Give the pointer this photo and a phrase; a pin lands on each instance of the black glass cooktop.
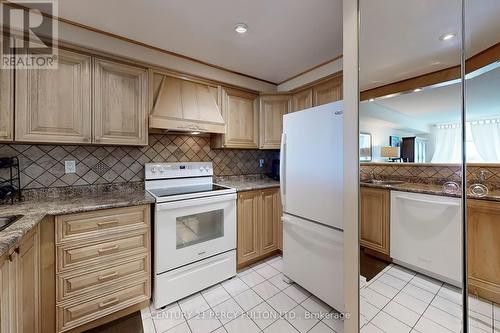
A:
(167, 192)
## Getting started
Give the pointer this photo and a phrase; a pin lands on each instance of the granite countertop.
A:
(493, 195)
(247, 183)
(34, 210)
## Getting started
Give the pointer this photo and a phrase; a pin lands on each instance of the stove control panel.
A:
(177, 170)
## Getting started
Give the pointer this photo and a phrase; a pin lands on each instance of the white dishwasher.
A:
(426, 234)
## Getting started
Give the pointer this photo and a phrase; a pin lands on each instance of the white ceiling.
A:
(400, 39)
(443, 104)
(285, 37)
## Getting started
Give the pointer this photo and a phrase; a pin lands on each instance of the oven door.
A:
(190, 230)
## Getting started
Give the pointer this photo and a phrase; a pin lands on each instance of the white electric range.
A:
(194, 242)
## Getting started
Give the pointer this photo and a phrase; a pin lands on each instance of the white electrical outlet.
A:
(69, 166)
(261, 163)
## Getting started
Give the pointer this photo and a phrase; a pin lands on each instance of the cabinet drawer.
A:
(80, 312)
(82, 225)
(102, 251)
(85, 281)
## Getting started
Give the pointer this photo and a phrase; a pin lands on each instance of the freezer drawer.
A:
(426, 234)
(313, 257)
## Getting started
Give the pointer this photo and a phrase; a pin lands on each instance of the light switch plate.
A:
(69, 166)
(261, 163)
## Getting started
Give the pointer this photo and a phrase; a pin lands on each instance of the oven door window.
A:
(199, 228)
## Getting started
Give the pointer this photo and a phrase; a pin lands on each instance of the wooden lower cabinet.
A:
(375, 219)
(259, 214)
(20, 285)
(483, 234)
(102, 265)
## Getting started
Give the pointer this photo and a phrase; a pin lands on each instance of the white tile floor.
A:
(258, 300)
(400, 300)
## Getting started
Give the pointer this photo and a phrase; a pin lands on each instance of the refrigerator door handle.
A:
(283, 169)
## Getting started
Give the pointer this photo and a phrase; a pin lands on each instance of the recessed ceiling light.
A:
(195, 133)
(417, 90)
(448, 36)
(371, 99)
(241, 28)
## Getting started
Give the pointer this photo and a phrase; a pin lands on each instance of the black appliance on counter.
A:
(11, 187)
(275, 170)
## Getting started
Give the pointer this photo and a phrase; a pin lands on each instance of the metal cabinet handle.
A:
(108, 249)
(104, 223)
(108, 276)
(11, 256)
(109, 302)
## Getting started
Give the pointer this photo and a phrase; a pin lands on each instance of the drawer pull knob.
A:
(109, 302)
(105, 223)
(108, 276)
(108, 249)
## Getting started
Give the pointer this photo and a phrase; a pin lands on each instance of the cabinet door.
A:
(302, 100)
(375, 207)
(248, 226)
(120, 103)
(484, 249)
(240, 112)
(280, 222)
(28, 286)
(327, 92)
(53, 105)
(272, 110)
(6, 104)
(9, 316)
(269, 238)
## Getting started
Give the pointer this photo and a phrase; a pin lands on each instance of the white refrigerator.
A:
(311, 192)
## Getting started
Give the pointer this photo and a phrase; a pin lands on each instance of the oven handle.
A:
(195, 202)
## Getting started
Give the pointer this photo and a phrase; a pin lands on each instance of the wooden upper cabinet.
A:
(6, 104)
(269, 237)
(240, 112)
(272, 110)
(328, 91)
(248, 226)
(121, 101)
(302, 100)
(54, 105)
(483, 252)
(374, 216)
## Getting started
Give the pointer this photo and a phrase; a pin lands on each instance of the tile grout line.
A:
(400, 291)
(428, 308)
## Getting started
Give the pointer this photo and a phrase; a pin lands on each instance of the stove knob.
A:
(154, 169)
(201, 169)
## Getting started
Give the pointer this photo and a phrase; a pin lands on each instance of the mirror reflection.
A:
(410, 192)
(482, 138)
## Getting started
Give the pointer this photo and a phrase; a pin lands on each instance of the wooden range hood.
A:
(185, 106)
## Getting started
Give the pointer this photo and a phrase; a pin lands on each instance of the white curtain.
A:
(447, 144)
(486, 136)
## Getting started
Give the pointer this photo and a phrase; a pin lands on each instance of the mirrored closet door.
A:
(482, 140)
(411, 166)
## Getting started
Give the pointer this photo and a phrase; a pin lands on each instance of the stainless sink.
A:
(383, 182)
(5, 221)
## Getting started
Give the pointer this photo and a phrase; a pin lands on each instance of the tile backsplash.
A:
(42, 166)
(431, 174)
